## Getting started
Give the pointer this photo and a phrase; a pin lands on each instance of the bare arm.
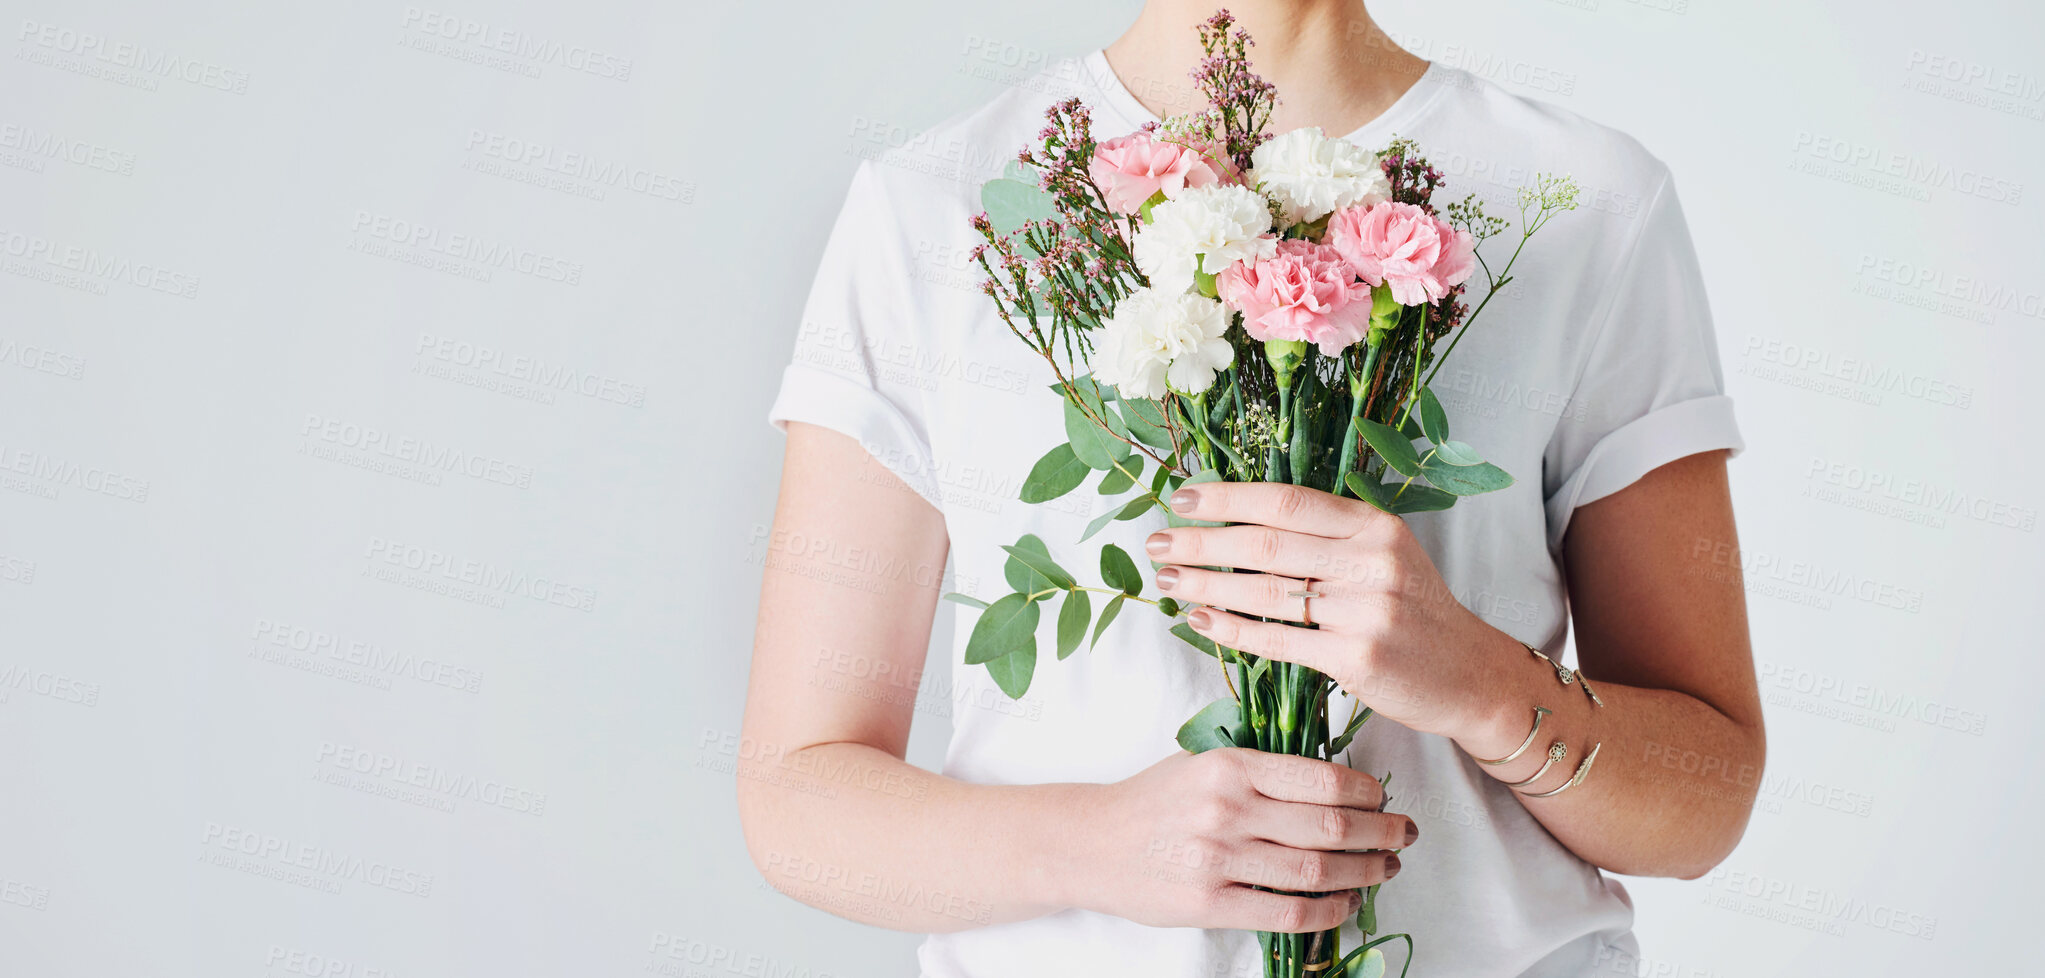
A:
(1661, 630)
(836, 818)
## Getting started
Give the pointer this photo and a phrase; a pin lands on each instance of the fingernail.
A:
(1412, 831)
(1166, 578)
(1392, 865)
(1200, 619)
(1184, 500)
(1355, 900)
(1158, 543)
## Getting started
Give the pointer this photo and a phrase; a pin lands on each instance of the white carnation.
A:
(1312, 176)
(1224, 222)
(1157, 340)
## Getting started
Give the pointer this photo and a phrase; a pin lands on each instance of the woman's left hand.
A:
(1390, 632)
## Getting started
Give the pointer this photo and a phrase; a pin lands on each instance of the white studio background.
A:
(272, 702)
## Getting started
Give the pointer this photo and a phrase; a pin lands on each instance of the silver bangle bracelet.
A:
(1556, 751)
(1582, 770)
(1540, 713)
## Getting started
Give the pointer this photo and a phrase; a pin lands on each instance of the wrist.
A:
(1057, 868)
(1496, 722)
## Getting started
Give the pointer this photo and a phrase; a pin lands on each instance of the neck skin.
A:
(1333, 66)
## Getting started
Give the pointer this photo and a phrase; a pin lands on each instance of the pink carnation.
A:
(1419, 256)
(1305, 292)
(1129, 169)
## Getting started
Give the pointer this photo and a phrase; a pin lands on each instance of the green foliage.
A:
(1073, 618)
(1145, 420)
(1012, 203)
(1218, 724)
(1012, 672)
(1119, 571)
(1094, 446)
(1024, 575)
(1008, 625)
(1107, 615)
(1396, 449)
(1195, 639)
(1057, 473)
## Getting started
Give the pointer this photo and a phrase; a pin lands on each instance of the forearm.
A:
(1673, 783)
(854, 830)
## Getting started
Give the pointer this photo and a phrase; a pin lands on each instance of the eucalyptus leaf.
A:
(1169, 607)
(1119, 571)
(1434, 422)
(1367, 488)
(1041, 562)
(1012, 203)
(1467, 480)
(1457, 453)
(1012, 672)
(1118, 479)
(1216, 725)
(1107, 615)
(1417, 498)
(1197, 478)
(1396, 449)
(1369, 964)
(1128, 511)
(1020, 576)
(1105, 392)
(1073, 617)
(1094, 446)
(1054, 475)
(1145, 419)
(1195, 639)
(1005, 626)
(1092, 394)
(965, 599)
(1137, 507)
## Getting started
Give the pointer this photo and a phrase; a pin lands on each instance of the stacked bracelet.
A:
(1582, 771)
(1556, 751)
(1568, 676)
(1539, 713)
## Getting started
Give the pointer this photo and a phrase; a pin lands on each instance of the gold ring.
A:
(1305, 593)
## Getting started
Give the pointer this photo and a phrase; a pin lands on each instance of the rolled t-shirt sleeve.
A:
(858, 314)
(1651, 390)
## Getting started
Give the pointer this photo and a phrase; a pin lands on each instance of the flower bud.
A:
(1384, 314)
(1285, 356)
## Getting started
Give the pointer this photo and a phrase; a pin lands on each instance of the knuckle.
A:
(1264, 546)
(1274, 590)
(1312, 871)
(1290, 501)
(1290, 916)
(1334, 827)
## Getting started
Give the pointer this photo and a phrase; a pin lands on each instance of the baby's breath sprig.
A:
(1243, 99)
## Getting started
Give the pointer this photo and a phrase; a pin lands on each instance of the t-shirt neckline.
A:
(1403, 111)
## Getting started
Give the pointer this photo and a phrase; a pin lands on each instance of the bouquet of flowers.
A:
(1222, 304)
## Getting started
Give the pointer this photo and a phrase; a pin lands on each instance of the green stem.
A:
(1359, 382)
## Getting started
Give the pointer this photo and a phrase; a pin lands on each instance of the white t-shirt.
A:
(1598, 365)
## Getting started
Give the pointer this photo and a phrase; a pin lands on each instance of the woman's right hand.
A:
(1186, 842)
